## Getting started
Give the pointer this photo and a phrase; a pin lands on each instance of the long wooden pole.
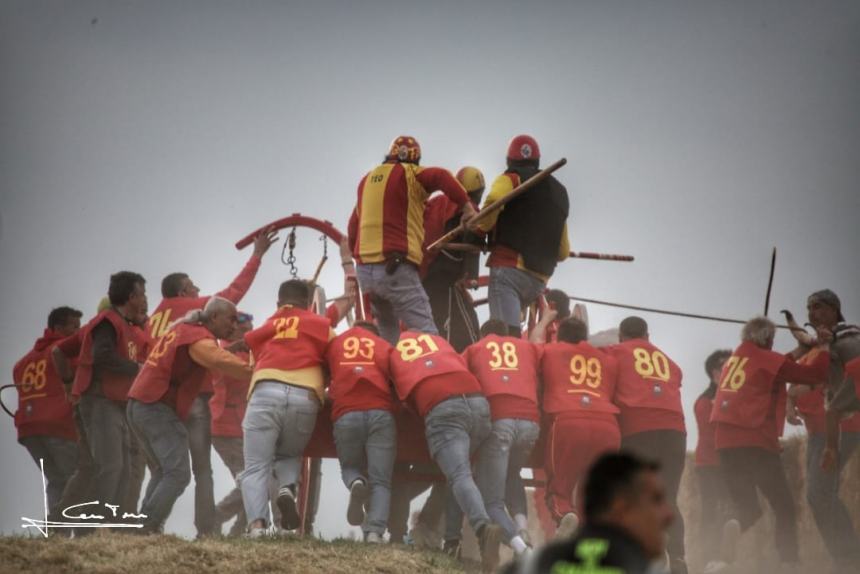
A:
(497, 205)
(469, 248)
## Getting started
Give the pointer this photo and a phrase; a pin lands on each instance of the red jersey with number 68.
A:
(358, 362)
(506, 367)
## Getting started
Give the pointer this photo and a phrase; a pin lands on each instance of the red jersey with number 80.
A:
(359, 365)
(578, 378)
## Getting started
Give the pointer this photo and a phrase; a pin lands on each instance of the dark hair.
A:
(611, 476)
(715, 359)
(171, 285)
(61, 315)
(561, 300)
(494, 327)
(531, 162)
(367, 326)
(633, 328)
(122, 286)
(296, 292)
(572, 330)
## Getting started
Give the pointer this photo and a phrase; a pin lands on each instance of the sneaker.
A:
(425, 537)
(677, 565)
(731, 537)
(567, 526)
(524, 534)
(373, 538)
(289, 510)
(452, 548)
(358, 493)
(256, 533)
(489, 539)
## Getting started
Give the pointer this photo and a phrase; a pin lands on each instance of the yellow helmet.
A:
(471, 178)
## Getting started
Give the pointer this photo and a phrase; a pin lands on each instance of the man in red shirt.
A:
(434, 380)
(181, 295)
(44, 419)
(228, 404)
(713, 497)
(163, 394)
(507, 368)
(386, 233)
(651, 416)
(579, 386)
(365, 433)
(822, 486)
(749, 409)
(285, 396)
(112, 346)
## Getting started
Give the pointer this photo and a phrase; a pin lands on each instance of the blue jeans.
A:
(107, 433)
(396, 297)
(199, 425)
(164, 439)
(366, 443)
(456, 428)
(60, 456)
(822, 493)
(510, 291)
(500, 461)
(278, 424)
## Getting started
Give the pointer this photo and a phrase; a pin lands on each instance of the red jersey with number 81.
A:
(421, 356)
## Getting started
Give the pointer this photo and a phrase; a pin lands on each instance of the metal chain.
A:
(291, 259)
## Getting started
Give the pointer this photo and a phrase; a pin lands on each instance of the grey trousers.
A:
(396, 297)
(60, 458)
(199, 426)
(108, 436)
(278, 424)
(510, 291)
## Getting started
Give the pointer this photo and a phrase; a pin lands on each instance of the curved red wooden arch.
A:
(325, 227)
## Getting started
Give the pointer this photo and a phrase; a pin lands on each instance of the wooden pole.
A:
(497, 205)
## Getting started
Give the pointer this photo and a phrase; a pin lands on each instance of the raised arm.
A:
(240, 285)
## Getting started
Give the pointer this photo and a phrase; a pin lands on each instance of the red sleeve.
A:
(71, 345)
(814, 373)
(352, 231)
(702, 409)
(242, 282)
(332, 314)
(438, 179)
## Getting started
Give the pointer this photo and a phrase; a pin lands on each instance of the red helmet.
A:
(523, 147)
(405, 149)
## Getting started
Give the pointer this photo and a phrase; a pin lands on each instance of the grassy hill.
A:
(109, 553)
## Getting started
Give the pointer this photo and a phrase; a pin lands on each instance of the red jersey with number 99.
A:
(578, 378)
(420, 356)
(359, 365)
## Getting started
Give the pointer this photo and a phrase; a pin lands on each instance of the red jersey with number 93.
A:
(419, 356)
(578, 378)
(357, 358)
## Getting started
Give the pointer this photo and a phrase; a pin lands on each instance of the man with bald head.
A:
(163, 392)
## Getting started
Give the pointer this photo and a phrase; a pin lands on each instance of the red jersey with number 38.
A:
(359, 365)
(506, 367)
(578, 379)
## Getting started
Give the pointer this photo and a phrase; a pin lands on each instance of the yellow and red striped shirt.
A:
(389, 214)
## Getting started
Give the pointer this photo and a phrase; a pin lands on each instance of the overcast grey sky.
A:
(152, 135)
